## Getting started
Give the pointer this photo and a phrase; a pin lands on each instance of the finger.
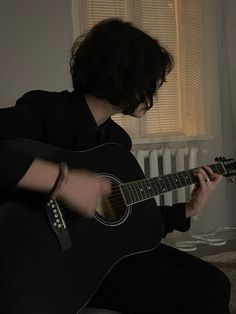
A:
(201, 179)
(210, 172)
(213, 176)
(203, 174)
(105, 186)
(91, 211)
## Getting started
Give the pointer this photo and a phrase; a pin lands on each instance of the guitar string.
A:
(118, 201)
(116, 194)
(64, 207)
(160, 180)
(117, 197)
(135, 190)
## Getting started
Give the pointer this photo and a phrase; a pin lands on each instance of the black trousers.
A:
(164, 281)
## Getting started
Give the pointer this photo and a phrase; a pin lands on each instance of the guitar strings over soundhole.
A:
(112, 208)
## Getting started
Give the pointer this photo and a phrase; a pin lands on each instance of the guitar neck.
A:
(140, 190)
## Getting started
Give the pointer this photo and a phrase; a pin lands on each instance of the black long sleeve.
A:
(61, 119)
(17, 122)
(174, 218)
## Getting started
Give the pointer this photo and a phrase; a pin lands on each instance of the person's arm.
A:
(19, 169)
(207, 183)
(80, 189)
(17, 122)
(177, 217)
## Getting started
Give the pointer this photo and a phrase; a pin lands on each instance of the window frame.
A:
(210, 77)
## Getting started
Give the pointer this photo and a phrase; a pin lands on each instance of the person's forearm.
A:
(40, 176)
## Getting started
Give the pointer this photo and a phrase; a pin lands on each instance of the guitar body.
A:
(37, 275)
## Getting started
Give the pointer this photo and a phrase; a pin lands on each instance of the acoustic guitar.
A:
(53, 260)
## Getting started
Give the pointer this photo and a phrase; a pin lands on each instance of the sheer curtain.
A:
(228, 74)
(227, 70)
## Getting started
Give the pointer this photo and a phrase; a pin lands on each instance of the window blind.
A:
(179, 108)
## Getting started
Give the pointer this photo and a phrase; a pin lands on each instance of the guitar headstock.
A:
(230, 168)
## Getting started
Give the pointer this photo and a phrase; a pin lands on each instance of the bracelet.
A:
(60, 180)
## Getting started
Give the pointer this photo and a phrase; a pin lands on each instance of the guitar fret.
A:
(139, 190)
(218, 168)
(185, 177)
(142, 190)
(136, 189)
(167, 182)
(159, 187)
(127, 196)
(146, 192)
(177, 181)
(132, 192)
(145, 188)
(148, 189)
(192, 177)
(135, 192)
(215, 168)
(182, 179)
(161, 181)
(172, 182)
(154, 186)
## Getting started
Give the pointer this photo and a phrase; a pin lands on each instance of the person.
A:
(115, 68)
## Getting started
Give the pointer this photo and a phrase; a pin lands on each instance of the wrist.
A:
(60, 180)
(189, 210)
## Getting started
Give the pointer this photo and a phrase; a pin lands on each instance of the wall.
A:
(229, 102)
(227, 87)
(36, 37)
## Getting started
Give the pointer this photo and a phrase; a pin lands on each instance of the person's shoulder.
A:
(41, 96)
(119, 135)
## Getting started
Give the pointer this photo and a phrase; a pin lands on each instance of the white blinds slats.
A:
(179, 106)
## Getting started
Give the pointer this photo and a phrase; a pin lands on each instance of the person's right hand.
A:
(81, 191)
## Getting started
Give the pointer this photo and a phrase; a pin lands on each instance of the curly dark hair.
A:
(118, 62)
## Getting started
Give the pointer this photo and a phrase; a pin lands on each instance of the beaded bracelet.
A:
(60, 180)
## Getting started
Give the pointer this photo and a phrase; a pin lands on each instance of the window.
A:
(180, 110)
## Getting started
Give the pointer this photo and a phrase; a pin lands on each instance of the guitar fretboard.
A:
(140, 190)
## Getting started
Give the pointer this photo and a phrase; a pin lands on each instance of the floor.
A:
(205, 249)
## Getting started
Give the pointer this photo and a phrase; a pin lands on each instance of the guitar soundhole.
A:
(112, 209)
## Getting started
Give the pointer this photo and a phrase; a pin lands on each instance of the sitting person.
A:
(115, 68)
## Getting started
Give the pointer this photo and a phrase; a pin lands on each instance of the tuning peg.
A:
(220, 159)
(231, 179)
(223, 159)
(229, 159)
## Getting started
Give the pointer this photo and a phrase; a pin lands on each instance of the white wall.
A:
(220, 210)
(227, 65)
(36, 37)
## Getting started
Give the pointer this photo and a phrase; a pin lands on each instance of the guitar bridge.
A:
(57, 223)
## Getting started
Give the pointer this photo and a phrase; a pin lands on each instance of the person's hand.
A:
(207, 182)
(81, 191)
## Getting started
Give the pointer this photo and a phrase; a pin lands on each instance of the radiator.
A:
(169, 160)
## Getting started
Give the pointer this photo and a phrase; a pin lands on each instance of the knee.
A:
(224, 284)
(215, 302)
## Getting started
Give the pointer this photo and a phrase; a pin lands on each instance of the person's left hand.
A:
(208, 181)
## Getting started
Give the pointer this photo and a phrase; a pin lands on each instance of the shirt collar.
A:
(82, 118)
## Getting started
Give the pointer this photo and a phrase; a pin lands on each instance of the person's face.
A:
(140, 111)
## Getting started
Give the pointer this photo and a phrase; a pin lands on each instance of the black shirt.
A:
(62, 119)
